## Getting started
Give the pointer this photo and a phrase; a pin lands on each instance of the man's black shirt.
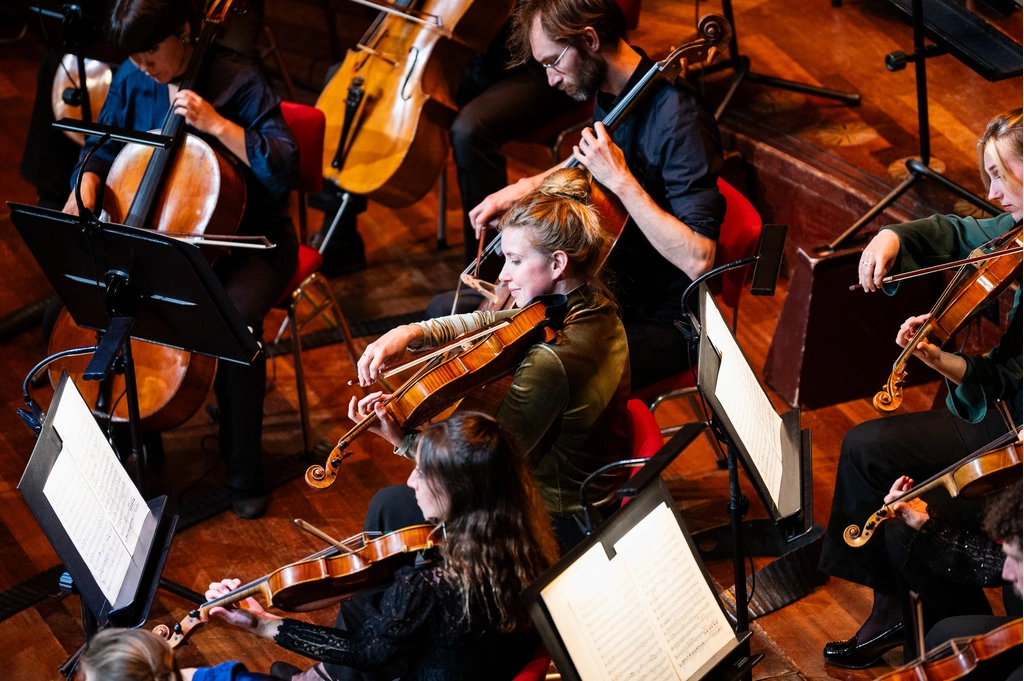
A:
(672, 146)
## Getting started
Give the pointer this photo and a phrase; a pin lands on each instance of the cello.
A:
(713, 35)
(190, 188)
(391, 103)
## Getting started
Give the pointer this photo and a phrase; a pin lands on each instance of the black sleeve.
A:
(963, 556)
(690, 158)
(405, 620)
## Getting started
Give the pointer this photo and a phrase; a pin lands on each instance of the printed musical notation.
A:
(647, 613)
(92, 495)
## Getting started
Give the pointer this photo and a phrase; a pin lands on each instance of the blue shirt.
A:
(239, 92)
(229, 671)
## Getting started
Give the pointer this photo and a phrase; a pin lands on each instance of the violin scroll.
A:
(890, 397)
(177, 635)
(854, 536)
(322, 477)
(715, 28)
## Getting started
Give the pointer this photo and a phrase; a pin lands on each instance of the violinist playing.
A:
(662, 163)
(235, 108)
(919, 444)
(947, 565)
(566, 409)
(459, 617)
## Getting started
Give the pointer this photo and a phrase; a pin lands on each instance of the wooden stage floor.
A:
(841, 48)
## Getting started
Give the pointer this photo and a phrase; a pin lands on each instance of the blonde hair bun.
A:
(570, 183)
(558, 216)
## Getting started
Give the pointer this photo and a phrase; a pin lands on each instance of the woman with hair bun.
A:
(566, 409)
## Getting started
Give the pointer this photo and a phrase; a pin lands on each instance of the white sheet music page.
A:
(92, 495)
(604, 623)
(665, 570)
(752, 414)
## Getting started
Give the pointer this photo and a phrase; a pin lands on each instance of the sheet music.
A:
(602, 620)
(92, 495)
(757, 423)
(645, 614)
(86, 523)
(663, 567)
(107, 479)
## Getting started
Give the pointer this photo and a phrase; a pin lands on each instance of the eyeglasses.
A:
(554, 64)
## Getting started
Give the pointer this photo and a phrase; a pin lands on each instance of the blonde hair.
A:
(129, 655)
(560, 217)
(1003, 137)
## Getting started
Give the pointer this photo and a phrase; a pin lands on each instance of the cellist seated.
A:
(233, 104)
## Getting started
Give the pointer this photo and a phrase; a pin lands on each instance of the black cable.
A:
(26, 384)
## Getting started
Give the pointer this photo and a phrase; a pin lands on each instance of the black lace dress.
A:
(418, 619)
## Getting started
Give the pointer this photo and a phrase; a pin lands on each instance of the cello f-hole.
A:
(415, 52)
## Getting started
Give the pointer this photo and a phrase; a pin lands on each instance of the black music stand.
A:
(789, 533)
(131, 607)
(136, 283)
(740, 64)
(956, 30)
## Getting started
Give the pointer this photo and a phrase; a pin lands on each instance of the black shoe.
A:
(283, 670)
(849, 654)
(248, 505)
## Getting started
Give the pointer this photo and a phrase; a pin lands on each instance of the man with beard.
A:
(661, 162)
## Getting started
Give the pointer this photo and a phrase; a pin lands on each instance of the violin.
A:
(960, 657)
(975, 285)
(714, 33)
(983, 472)
(390, 104)
(327, 577)
(454, 372)
(190, 188)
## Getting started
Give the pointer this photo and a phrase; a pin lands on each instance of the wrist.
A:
(267, 626)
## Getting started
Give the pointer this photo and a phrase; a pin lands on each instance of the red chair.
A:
(537, 668)
(740, 234)
(308, 288)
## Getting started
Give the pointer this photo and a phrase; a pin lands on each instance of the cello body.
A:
(397, 87)
(192, 187)
(97, 81)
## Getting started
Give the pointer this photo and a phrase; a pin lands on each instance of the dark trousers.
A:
(940, 597)
(254, 283)
(496, 111)
(657, 349)
(874, 455)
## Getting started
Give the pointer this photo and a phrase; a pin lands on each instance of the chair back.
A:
(739, 236)
(308, 125)
(646, 437)
(537, 668)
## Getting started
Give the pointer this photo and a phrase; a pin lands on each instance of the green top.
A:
(997, 375)
(567, 404)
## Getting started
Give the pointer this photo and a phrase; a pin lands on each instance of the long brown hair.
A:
(1003, 137)
(498, 535)
(564, 21)
(558, 216)
(129, 655)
